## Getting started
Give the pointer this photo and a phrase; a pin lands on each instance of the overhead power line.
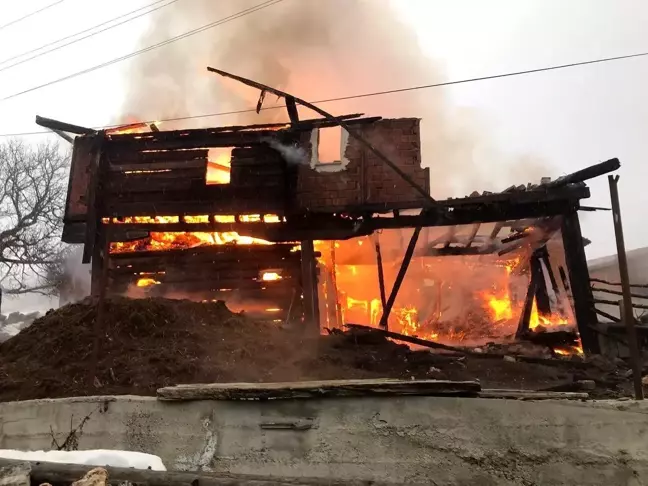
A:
(25, 17)
(90, 29)
(369, 94)
(190, 33)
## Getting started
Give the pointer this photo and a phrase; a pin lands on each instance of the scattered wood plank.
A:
(408, 339)
(572, 386)
(616, 303)
(56, 473)
(617, 284)
(532, 395)
(467, 352)
(318, 389)
(618, 292)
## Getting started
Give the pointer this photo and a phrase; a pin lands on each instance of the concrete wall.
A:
(426, 440)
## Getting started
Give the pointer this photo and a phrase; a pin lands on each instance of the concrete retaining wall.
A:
(449, 441)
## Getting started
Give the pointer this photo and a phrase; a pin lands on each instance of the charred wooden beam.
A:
(56, 125)
(607, 316)
(618, 292)
(617, 284)
(587, 173)
(579, 279)
(525, 315)
(309, 284)
(541, 295)
(627, 313)
(616, 303)
(402, 271)
(291, 105)
(64, 136)
(473, 234)
(381, 273)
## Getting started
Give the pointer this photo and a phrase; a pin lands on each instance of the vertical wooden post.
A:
(309, 284)
(525, 316)
(541, 294)
(336, 293)
(576, 263)
(627, 315)
(409, 253)
(381, 274)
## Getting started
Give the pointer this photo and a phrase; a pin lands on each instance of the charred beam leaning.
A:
(384, 319)
(56, 125)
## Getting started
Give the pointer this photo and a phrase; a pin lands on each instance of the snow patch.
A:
(98, 457)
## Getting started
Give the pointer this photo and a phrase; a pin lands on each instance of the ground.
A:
(150, 343)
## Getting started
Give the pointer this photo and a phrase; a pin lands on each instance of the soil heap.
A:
(150, 343)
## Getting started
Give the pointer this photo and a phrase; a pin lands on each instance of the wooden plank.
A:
(274, 127)
(164, 165)
(532, 395)
(76, 205)
(144, 156)
(617, 284)
(57, 473)
(318, 389)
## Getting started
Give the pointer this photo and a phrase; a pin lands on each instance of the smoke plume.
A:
(316, 50)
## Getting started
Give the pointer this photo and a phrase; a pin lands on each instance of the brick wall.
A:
(365, 178)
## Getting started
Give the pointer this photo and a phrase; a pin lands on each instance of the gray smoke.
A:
(315, 49)
(293, 154)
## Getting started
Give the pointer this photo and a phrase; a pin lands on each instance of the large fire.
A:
(461, 300)
(175, 240)
(452, 299)
(219, 165)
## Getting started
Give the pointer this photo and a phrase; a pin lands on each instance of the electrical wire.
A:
(58, 41)
(24, 17)
(371, 94)
(211, 25)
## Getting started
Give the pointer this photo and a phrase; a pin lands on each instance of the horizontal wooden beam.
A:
(316, 389)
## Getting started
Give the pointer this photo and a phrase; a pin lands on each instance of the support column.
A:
(409, 253)
(309, 285)
(541, 293)
(579, 280)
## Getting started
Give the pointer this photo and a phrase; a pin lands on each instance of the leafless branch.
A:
(32, 197)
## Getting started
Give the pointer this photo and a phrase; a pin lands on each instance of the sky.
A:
(567, 118)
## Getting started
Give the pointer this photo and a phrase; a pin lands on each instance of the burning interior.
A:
(258, 217)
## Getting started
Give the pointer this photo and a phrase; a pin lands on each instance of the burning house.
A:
(258, 217)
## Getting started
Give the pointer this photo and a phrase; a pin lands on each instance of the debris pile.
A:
(151, 343)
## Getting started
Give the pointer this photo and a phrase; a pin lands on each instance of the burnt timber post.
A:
(541, 294)
(578, 272)
(309, 284)
(409, 253)
(626, 313)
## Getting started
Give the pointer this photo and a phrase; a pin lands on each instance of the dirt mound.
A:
(150, 343)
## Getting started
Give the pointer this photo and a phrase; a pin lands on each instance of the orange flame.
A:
(270, 276)
(219, 165)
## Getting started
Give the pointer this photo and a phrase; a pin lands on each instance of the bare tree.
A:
(32, 198)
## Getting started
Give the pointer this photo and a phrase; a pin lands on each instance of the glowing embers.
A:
(271, 276)
(219, 165)
(147, 282)
(164, 241)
